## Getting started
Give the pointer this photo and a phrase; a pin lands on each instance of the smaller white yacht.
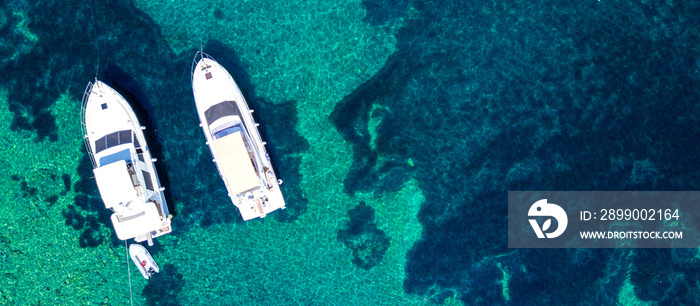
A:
(143, 260)
(234, 140)
(123, 167)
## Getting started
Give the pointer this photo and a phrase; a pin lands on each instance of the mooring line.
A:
(94, 30)
(128, 269)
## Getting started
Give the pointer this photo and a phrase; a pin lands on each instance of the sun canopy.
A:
(235, 163)
(115, 185)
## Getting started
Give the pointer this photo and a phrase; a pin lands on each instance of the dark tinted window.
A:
(147, 178)
(124, 137)
(223, 109)
(100, 145)
(112, 140)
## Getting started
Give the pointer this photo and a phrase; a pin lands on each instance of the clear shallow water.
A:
(397, 126)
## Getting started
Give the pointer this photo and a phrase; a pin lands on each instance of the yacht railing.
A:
(200, 55)
(86, 96)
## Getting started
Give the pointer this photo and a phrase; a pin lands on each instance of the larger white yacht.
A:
(123, 166)
(234, 140)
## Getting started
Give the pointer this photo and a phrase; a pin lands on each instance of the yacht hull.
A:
(123, 166)
(231, 133)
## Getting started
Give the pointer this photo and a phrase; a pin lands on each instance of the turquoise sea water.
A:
(397, 126)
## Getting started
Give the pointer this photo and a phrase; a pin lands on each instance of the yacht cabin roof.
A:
(235, 162)
(115, 184)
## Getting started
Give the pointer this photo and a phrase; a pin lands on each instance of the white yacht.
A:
(234, 140)
(123, 167)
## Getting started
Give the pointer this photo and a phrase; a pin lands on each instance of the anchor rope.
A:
(94, 30)
(128, 269)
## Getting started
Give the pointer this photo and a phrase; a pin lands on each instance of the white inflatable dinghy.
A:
(143, 260)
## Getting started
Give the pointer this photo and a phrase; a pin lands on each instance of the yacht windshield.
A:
(113, 140)
(229, 130)
(223, 109)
